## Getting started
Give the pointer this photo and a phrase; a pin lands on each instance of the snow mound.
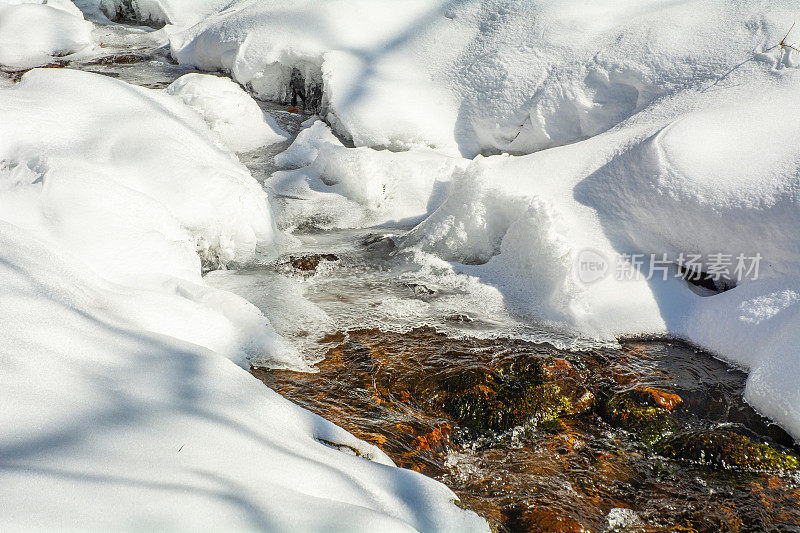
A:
(32, 33)
(305, 148)
(342, 187)
(228, 111)
(483, 76)
(89, 164)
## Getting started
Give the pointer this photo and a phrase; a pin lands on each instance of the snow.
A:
(228, 111)
(637, 127)
(376, 91)
(474, 77)
(33, 33)
(121, 408)
(88, 165)
(346, 188)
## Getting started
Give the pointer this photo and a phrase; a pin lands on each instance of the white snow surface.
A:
(121, 409)
(89, 165)
(228, 110)
(482, 76)
(33, 33)
(650, 127)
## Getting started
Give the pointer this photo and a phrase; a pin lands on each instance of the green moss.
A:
(650, 423)
(725, 449)
(498, 402)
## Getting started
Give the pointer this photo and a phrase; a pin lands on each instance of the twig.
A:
(783, 43)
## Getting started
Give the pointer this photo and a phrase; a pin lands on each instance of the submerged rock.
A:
(309, 263)
(723, 449)
(519, 394)
(650, 422)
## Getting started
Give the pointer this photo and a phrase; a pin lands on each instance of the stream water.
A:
(534, 430)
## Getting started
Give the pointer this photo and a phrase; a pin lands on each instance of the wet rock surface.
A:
(310, 262)
(652, 437)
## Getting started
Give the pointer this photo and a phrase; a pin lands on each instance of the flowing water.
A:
(534, 430)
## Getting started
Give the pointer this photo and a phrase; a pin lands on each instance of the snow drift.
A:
(155, 12)
(482, 76)
(32, 33)
(89, 165)
(228, 110)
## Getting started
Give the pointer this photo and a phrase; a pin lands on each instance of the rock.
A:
(724, 449)
(659, 398)
(309, 263)
(541, 519)
(119, 59)
(514, 396)
(650, 422)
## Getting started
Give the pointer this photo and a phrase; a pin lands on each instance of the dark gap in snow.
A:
(703, 280)
(126, 14)
(342, 447)
(303, 93)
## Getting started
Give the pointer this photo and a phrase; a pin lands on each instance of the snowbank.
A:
(90, 165)
(120, 409)
(482, 76)
(32, 33)
(228, 111)
(715, 182)
(110, 426)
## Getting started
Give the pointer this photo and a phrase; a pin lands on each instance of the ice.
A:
(33, 33)
(228, 111)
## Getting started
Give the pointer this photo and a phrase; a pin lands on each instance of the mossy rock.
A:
(495, 402)
(724, 449)
(649, 422)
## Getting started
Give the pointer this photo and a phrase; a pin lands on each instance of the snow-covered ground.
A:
(656, 131)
